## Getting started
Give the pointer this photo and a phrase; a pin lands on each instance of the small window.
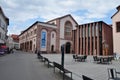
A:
(35, 31)
(52, 35)
(118, 27)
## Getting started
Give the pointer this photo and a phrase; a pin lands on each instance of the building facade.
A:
(116, 30)
(93, 39)
(49, 36)
(13, 41)
(4, 22)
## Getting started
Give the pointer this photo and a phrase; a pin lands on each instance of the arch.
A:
(53, 40)
(31, 45)
(52, 48)
(68, 47)
(68, 29)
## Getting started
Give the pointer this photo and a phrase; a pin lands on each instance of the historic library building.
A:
(90, 39)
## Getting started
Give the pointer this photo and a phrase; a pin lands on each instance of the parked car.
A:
(2, 51)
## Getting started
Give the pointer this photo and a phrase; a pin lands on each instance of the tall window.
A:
(89, 32)
(97, 29)
(118, 27)
(93, 30)
(68, 28)
(35, 31)
(43, 39)
(83, 31)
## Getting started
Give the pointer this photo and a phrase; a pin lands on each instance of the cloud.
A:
(20, 11)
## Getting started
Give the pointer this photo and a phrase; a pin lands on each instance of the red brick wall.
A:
(108, 36)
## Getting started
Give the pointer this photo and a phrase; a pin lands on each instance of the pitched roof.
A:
(15, 37)
(63, 17)
(118, 8)
(35, 24)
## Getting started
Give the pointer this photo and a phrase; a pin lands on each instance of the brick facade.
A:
(93, 39)
(56, 27)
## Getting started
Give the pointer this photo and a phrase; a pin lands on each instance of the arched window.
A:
(43, 39)
(68, 28)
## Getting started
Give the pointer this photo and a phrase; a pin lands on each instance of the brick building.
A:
(49, 36)
(93, 39)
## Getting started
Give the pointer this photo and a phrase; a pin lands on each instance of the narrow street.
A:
(25, 66)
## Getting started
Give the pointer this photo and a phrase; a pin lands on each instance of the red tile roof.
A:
(15, 37)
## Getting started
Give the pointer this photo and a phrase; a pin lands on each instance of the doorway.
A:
(52, 48)
(68, 47)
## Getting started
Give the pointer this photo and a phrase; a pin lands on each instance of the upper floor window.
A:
(35, 31)
(68, 28)
(93, 30)
(53, 35)
(118, 27)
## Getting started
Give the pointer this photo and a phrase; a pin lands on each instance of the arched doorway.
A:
(52, 48)
(68, 47)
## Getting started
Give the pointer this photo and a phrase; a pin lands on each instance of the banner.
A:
(43, 39)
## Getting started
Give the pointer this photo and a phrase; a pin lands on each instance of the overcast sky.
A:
(23, 13)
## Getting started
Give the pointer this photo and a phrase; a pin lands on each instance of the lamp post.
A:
(62, 55)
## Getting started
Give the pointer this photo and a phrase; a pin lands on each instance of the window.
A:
(35, 31)
(89, 32)
(83, 32)
(118, 27)
(93, 30)
(68, 28)
(96, 29)
(53, 35)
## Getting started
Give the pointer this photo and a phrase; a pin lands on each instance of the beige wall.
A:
(62, 23)
(116, 36)
(62, 28)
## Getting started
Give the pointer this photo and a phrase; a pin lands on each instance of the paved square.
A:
(88, 68)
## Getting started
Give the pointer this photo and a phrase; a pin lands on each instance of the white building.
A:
(116, 30)
(4, 22)
(13, 41)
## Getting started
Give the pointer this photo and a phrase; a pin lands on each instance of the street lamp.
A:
(62, 55)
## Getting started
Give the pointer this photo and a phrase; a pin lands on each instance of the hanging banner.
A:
(43, 39)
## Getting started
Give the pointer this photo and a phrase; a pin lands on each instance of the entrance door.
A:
(68, 46)
(52, 48)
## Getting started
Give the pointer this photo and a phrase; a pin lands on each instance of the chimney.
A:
(118, 8)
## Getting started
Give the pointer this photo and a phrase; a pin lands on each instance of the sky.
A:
(23, 13)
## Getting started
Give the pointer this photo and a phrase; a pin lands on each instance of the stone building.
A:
(93, 39)
(49, 36)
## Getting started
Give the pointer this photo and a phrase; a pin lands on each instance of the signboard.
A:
(43, 39)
